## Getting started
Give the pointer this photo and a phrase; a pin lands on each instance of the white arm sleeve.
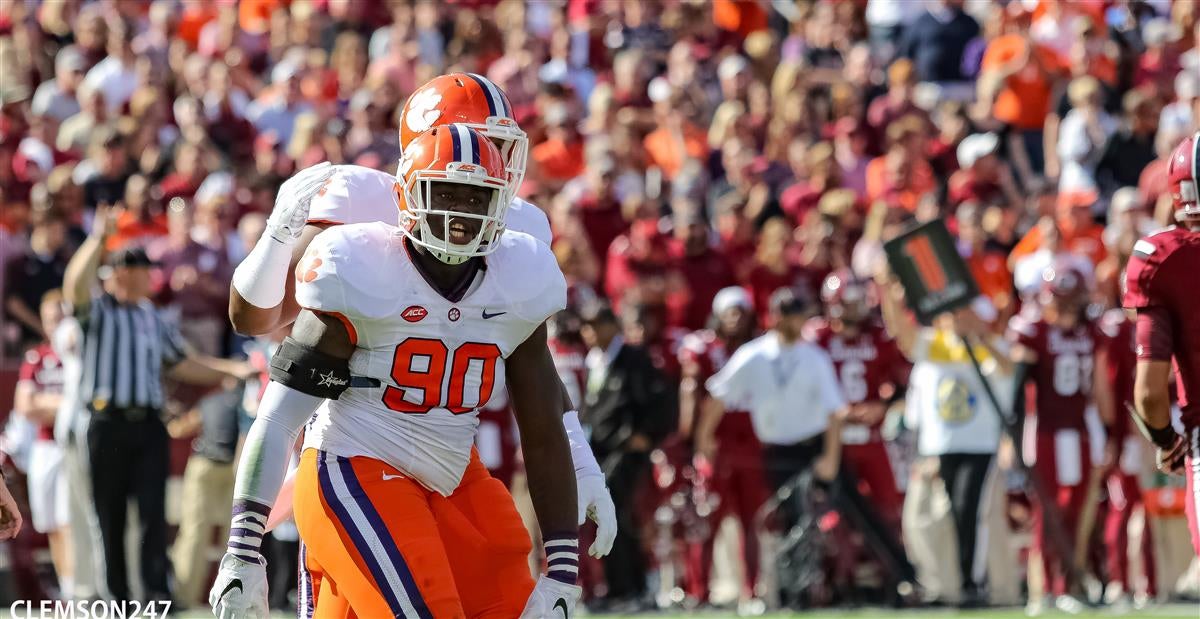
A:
(281, 414)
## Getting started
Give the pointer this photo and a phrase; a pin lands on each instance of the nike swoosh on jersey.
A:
(486, 315)
(561, 604)
(387, 477)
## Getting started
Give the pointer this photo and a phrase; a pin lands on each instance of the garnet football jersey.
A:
(1164, 272)
(43, 369)
(437, 361)
(864, 363)
(1062, 375)
(359, 195)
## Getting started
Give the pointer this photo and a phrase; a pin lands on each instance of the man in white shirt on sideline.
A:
(791, 391)
(797, 408)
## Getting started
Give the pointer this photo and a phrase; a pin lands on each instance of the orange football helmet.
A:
(472, 100)
(452, 154)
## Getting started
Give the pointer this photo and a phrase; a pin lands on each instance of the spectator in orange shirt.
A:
(989, 265)
(677, 139)
(560, 157)
(901, 176)
(1016, 81)
(1079, 233)
(142, 220)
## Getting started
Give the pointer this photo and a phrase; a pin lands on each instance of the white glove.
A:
(595, 503)
(240, 590)
(593, 499)
(291, 204)
(551, 599)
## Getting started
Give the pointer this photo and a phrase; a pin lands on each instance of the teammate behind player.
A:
(867, 363)
(1058, 352)
(397, 515)
(737, 467)
(1161, 285)
(262, 297)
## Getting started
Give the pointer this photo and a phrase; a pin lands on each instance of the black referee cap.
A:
(130, 257)
(789, 301)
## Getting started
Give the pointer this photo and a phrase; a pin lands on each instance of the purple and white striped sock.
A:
(562, 557)
(246, 530)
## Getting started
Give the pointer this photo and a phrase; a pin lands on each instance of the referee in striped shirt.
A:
(127, 348)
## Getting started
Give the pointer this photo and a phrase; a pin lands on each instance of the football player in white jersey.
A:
(262, 297)
(405, 333)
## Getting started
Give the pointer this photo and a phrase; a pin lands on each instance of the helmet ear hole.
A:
(458, 82)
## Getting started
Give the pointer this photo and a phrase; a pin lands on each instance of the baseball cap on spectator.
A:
(284, 71)
(976, 147)
(1159, 31)
(38, 153)
(659, 89)
(731, 297)
(1127, 199)
(731, 66)
(216, 185)
(70, 58)
(789, 302)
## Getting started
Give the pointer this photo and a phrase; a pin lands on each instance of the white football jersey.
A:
(358, 195)
(437, 361)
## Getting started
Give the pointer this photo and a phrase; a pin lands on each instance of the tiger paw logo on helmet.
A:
(422, 110)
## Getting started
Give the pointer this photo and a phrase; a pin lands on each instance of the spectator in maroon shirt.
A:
(897, 103)
(598, 209)
(823, 175)
(636, 259)
(194, 279)
(187, 173)
(702, 266)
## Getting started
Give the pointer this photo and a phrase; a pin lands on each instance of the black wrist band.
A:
(1164, 437)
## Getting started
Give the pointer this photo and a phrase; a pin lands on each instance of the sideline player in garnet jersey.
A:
(1162, 283)
(262, 296)
(1057, 351)
(1123, 457)
(405, 334)
(737, 467)
(867, 363)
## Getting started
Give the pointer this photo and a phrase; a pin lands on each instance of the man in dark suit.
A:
(629, 408)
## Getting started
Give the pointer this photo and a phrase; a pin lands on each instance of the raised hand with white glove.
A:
(594, 500)
(261, 278)
(295, 196)
(240, 590)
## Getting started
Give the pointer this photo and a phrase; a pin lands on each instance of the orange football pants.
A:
(375, 543)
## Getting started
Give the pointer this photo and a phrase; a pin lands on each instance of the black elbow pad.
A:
(310, 371)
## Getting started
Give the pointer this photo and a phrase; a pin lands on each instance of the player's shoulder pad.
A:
(526, 276)
(524, 216)
(355, 195)
(341, 271)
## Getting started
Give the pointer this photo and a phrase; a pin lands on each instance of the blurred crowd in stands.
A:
(683, 150)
